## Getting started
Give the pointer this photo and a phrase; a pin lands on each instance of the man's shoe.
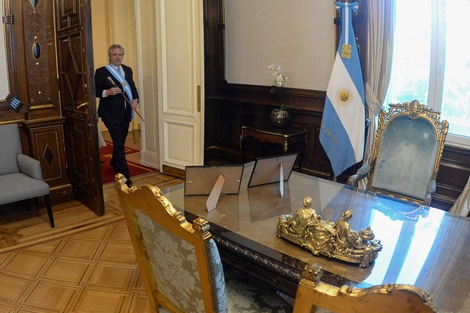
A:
(129, 183)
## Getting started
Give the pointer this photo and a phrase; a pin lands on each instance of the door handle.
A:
(199, 98)
(82, 105)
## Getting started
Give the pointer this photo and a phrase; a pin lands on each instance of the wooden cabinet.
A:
(46, 144)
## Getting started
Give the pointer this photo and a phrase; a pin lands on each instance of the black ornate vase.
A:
(280, 118)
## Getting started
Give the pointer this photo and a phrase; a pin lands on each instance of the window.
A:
(431, 61)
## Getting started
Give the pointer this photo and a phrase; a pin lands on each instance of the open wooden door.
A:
(180, 63)
(78, 102)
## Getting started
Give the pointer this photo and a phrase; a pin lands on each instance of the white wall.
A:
(299, 35)
(146, 35)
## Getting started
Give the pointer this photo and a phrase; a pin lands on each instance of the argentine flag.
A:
(343, 123)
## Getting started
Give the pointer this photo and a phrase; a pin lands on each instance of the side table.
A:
(286, 137)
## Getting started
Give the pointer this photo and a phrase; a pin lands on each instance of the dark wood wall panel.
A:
(45, 140)
(226, 116)
(453, 174)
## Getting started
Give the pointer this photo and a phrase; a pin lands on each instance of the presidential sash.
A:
(120, 78)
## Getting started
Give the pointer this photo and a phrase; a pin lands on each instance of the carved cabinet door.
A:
(76, 79)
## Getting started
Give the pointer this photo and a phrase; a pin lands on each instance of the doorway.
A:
(113, 21)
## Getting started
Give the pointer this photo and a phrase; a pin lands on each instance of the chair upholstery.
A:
(20, 175)
(408, 148)
(391, 298)
(180, 262)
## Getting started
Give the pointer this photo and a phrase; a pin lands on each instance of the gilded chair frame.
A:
(150, 202)
(313, 293)
(180, 262)
(414, 111)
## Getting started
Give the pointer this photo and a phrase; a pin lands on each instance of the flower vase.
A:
(280, 118)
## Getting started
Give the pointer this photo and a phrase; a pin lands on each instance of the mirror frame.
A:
(14, 70)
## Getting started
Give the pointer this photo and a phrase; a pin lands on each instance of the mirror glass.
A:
(4, 82)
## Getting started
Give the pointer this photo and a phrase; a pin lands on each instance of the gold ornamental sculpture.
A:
(332, 239)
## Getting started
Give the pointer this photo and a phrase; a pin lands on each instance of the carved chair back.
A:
(408, 148)
(392, 298)
(179, 261)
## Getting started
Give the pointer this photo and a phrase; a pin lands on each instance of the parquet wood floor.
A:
(92, 271)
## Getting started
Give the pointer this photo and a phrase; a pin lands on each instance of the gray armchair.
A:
(408, 148)
(20, 175)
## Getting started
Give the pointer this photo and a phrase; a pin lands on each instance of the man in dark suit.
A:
(118, 95)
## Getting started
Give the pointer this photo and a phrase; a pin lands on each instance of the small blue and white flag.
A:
(343, 123)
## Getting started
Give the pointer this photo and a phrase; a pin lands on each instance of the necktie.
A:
(121, 70)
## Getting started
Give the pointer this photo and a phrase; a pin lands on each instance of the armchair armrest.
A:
(29, 166)
(360, 174)
(430, 189)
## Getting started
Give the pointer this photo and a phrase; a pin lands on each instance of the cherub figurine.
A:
(346, 236)
(303, 217)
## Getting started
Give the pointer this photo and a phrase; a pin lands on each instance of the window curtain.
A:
(378, 67)
(462, 205)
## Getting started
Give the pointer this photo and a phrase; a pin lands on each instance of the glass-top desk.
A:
(429, 248)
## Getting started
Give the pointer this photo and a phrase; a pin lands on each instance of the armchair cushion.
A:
(405, 161)
(18, 186)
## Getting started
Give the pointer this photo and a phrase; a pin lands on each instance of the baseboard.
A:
(172, 171)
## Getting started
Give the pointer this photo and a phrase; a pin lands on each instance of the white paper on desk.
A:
(281, 180)
(214, 196)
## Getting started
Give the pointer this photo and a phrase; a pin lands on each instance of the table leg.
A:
(242, 146)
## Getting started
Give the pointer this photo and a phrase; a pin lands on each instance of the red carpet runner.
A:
(107, 171)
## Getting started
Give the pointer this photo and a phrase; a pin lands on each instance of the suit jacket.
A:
(111, 108)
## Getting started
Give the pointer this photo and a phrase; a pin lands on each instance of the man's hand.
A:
(134, 104)
(113, 91)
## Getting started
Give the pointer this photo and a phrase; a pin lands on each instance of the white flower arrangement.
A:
(279, 78)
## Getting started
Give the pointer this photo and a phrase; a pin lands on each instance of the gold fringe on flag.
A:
(135, 132)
